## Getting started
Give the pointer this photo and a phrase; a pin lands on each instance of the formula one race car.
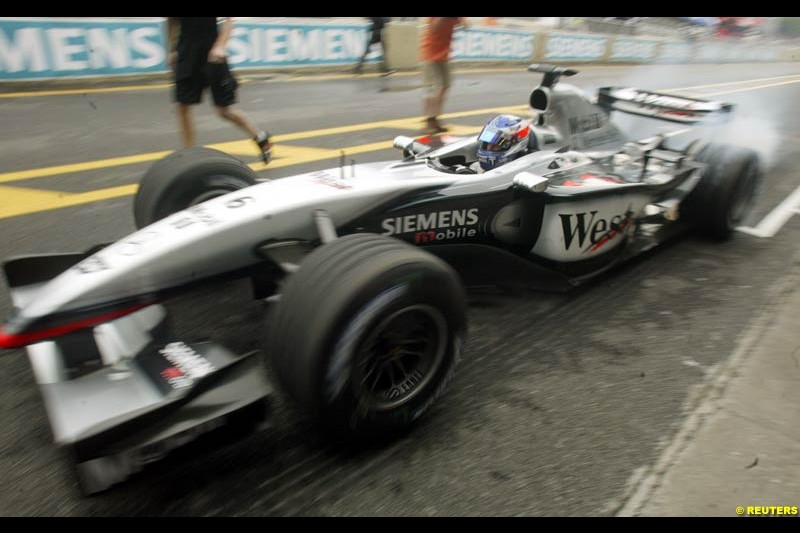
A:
(365, 267)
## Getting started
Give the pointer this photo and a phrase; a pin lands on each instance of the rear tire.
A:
(727, 189)
(367, 333)
(185, 178)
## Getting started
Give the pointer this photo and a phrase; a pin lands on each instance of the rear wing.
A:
(552, 73)
(662, 106)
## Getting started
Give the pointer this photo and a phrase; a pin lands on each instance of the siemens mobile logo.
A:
(430, 221)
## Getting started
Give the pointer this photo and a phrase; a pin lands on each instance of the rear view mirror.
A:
(409, 146)
(530, 182)
(402, 142)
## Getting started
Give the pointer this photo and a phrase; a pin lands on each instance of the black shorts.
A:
(193, 73)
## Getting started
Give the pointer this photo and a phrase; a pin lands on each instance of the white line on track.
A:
(643, 483)
(774, 221)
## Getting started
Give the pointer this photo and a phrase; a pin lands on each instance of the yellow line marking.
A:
(247, 77)
(238, 145)
(320, 154)
(67, 92)
(458, 129)
(20, 201)
(404, 73)
(243, 147)
(363, 148)
(79, 167)
(244, 76)
(280, 151)
(416, 123)
(286, 156)
(403, 123)
(333, 131)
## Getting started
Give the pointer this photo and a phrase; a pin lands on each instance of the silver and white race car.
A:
(364, 265)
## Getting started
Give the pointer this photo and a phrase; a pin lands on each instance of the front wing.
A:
(125, 393)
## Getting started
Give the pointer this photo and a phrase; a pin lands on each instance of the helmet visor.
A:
(494, 139)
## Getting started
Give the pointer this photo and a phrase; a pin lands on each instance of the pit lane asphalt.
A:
(560, 398)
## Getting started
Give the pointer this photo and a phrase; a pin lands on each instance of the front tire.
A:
(185, 178)
(367, 334)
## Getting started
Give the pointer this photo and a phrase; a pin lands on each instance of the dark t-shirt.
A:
(378, 23)
(197, 32)
(195, 39)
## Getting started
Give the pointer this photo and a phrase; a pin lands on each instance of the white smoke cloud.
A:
(755, 122)
(750, 130)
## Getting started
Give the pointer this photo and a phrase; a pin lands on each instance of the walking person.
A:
(378, 24)
(198, 59)
(435, 43)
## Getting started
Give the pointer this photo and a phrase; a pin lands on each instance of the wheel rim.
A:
(400, 357)
(208, 195)
(215, 191)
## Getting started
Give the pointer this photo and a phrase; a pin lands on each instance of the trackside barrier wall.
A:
(52, 49)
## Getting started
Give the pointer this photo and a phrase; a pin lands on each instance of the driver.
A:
(502, 140)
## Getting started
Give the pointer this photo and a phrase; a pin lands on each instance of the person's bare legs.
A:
(187, 125)
(436, 78)
(261, 138)
(433, 108)
(239, 119)
(433, 104)
(428, 106)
